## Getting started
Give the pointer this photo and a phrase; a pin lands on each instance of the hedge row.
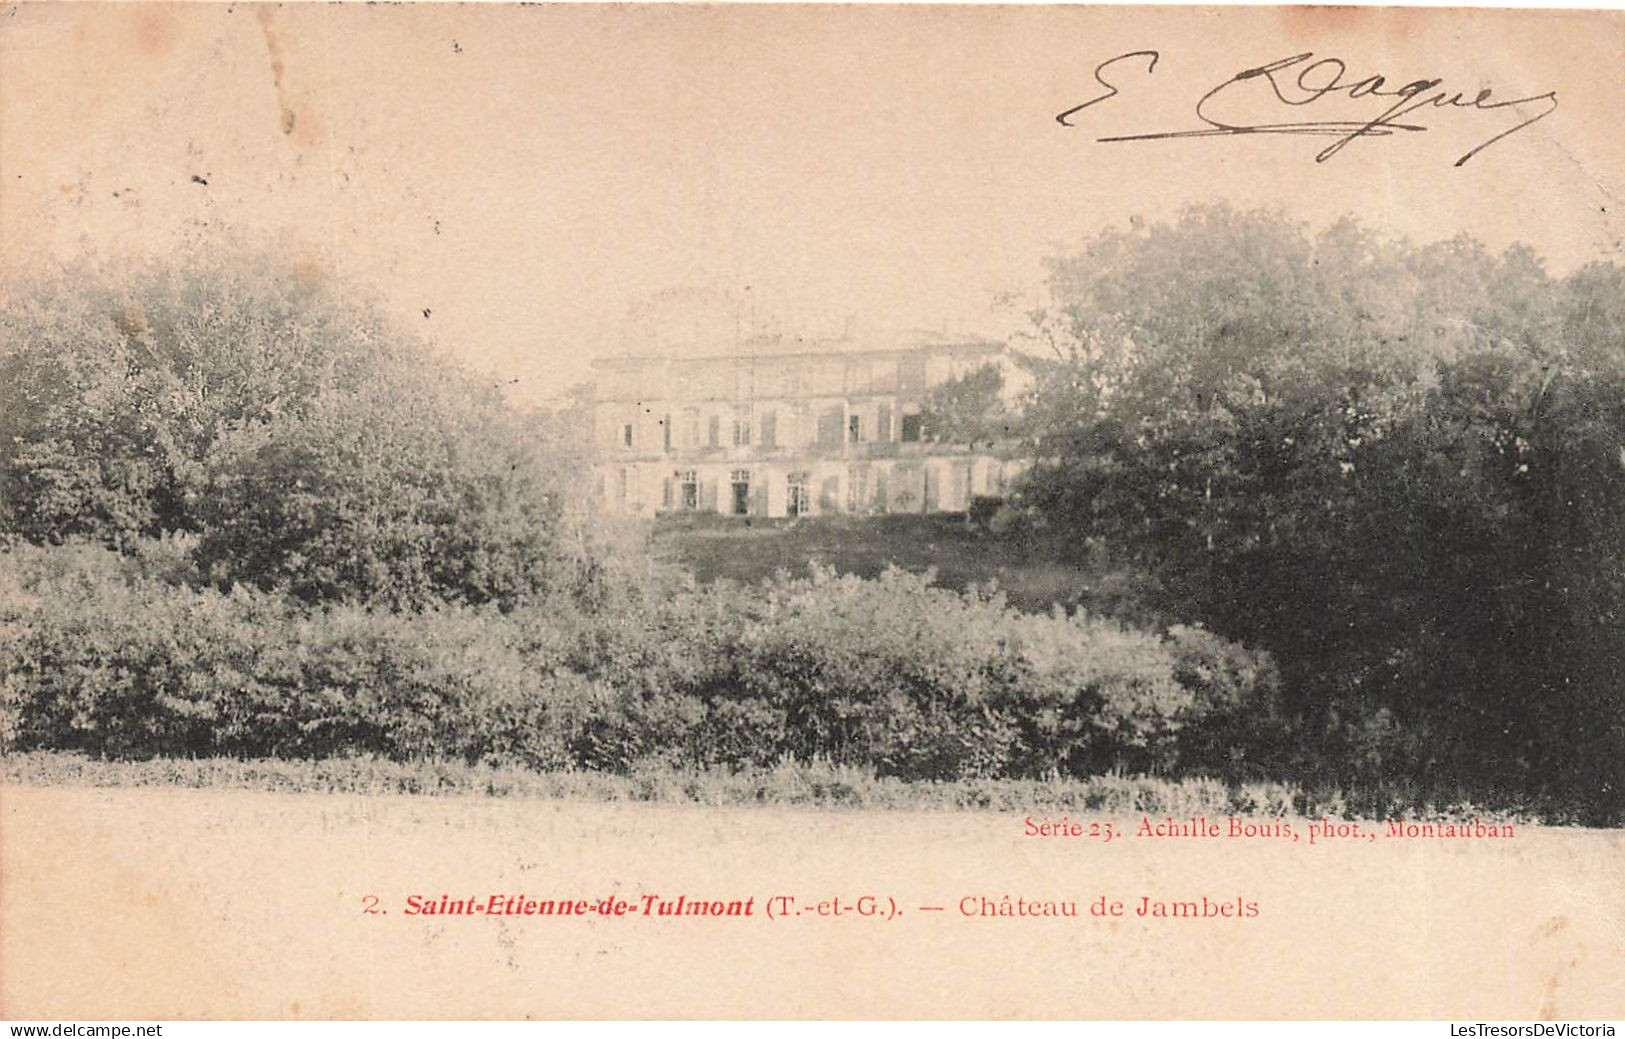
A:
(112, 656)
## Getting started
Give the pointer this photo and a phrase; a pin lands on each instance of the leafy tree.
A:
(115, 383)
(278, 416)
(971, 409)
(399, 493)
(1396, 468)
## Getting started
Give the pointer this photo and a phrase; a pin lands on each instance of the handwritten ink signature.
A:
(1316, 79)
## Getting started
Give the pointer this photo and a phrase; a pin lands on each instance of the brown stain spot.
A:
(1345, 32)
(302, 126)
(1322, 20)
(154, 33)
(1554, 925)
(1548, 1001)
(307, 268)
(273, 43)
(131, 320)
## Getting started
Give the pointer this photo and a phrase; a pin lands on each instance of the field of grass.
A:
(1034, 572)
(791, 784)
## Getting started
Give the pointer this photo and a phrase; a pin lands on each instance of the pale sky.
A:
(530, 176)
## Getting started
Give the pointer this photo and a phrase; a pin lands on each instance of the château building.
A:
(792, 427)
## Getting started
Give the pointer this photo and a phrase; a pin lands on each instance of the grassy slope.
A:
(1033, 573)
(794, 784)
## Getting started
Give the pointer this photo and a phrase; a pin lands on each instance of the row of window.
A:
(798, 500)
(829, 430)
(683, 490)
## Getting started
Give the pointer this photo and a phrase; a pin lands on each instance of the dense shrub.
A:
(99, 653)
(916, 680)
(1237, 724)
(102, 658)
(982, 509)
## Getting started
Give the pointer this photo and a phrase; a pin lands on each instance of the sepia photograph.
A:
(811, 511)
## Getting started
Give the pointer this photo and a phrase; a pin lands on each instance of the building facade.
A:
(791, 428)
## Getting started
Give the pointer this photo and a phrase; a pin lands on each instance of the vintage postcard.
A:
(757, 511)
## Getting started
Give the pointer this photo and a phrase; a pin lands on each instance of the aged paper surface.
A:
(515, 181)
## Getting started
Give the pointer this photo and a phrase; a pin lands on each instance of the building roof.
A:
(903, 342)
